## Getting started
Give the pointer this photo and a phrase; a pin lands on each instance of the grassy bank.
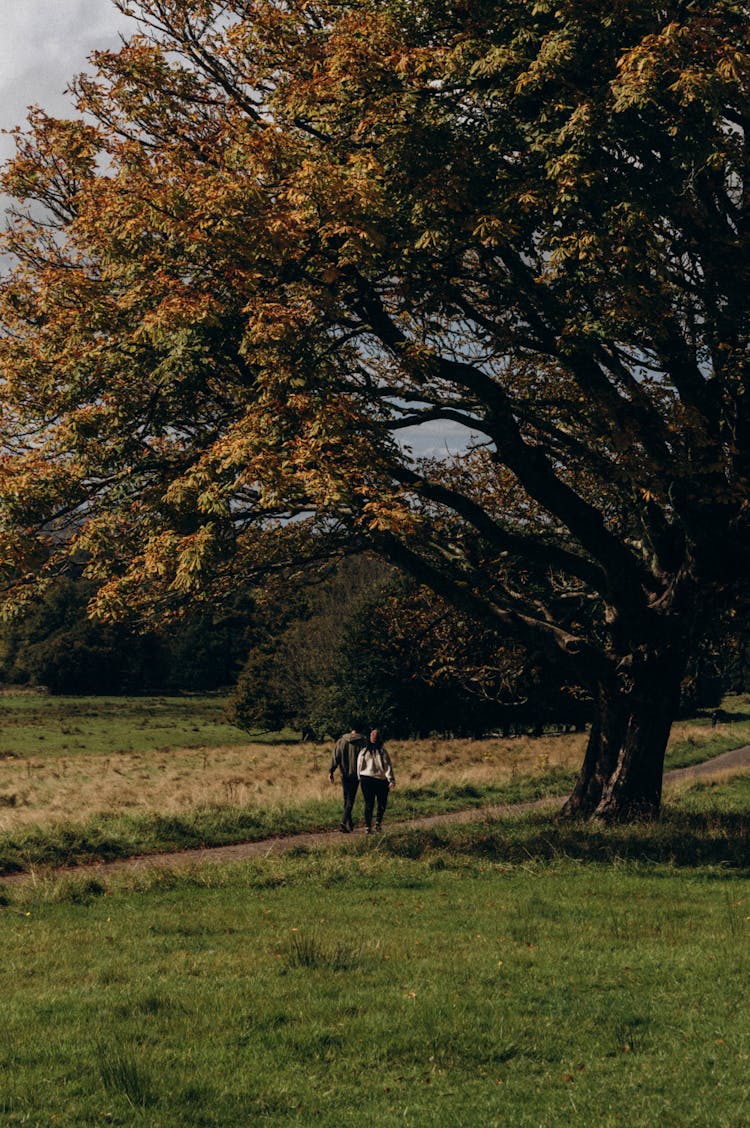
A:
(483, 976)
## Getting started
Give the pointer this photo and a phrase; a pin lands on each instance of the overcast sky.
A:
(45, 43)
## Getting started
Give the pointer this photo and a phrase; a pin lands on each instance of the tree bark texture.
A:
(621, 776)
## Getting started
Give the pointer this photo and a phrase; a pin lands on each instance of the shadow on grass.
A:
(679, 838)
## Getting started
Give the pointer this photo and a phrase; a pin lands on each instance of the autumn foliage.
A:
(286, 240)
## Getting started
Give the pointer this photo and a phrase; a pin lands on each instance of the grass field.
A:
(504, 973)
(514, 974)
(36, 724)
(101, 778)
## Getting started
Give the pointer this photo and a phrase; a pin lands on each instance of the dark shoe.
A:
(368, 830)
(345, 829)
(378, 826)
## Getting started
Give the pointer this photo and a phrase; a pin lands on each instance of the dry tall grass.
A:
(38, 790)
(43, 790)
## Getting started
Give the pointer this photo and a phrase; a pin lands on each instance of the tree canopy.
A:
(288, 238)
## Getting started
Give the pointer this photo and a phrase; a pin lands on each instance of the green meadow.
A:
(33, 724)
(505, 972)
(509, 973)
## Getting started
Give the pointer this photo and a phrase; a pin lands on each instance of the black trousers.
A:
(374, 789)
(349, 785)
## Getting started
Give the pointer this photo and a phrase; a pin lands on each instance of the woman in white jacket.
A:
(376, 779)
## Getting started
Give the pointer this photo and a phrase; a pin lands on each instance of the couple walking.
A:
(363, 761)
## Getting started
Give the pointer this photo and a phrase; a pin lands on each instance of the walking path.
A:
(736, 760)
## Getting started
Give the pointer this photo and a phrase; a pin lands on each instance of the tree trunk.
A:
(621, 776)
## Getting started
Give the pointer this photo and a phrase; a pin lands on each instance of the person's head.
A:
(375, 736)
(358, 725)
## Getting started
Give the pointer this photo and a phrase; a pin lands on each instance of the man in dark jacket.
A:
(345, 755)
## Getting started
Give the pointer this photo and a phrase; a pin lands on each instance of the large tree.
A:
(286, 238)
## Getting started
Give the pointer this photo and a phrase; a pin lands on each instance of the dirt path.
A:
(736, 760)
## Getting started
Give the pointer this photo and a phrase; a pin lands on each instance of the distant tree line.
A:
(315, 651)
(55, 644)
